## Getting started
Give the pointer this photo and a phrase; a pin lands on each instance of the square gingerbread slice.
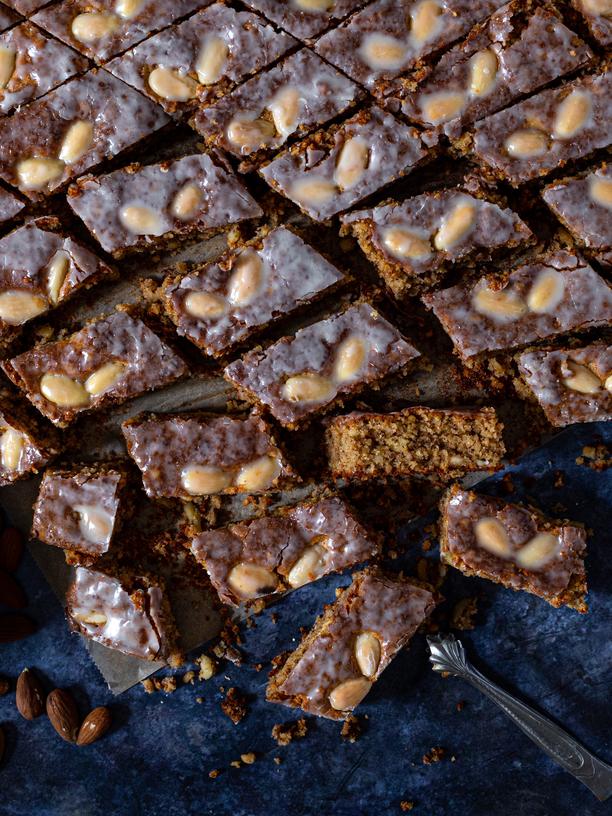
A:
(306, 19)
(266, 556)
(109, 361)
(8, 17)
(189, 456)
(322, 365)
(569, 384)
(515, 546)
(202, 58)
(597, 15)
(26, 7)
(144, 207)
(351, 644)
(129, 613)
(47, 143)
(553, 294)
(219, 305)
(26, 444)
(438, 443)
(414, 243)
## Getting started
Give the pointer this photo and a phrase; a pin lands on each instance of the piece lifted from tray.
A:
(515, 546)
(351, 644)
(27, 443)
(267, 556)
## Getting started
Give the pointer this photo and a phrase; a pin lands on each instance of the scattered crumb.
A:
(199, 699)
(214, 773)
(4, 686)
(284, 733)
(234, 705)
(226, 651)
(189, 677)
(351, 729)
(207, 667)
(148, 685)
(258, 667)
(453, 758)
(249, 758)
(168, 684)
(596, 457)
(426, 545)
(435, 754)
(406, 806)
(277, 760)
(507, 483)
(464, 613)
(274, 617)
(559, 478)
(460, 705)
(236, 763)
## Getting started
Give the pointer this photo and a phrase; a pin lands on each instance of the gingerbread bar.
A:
(296, 96)
(41, 267)
(597, 15)
(25, 7)
(102, 28)
(440, 443)
(570, 384)
(351, 644)
(110, 360)
(583, 204)
(322, 365)
(202, 58)
(413, 243)
(72, 129)
(192, 455)
(335, 168)
(10, 206)
(551, 295)
(391, 36)
(129, 613)
(81, 510)
(518, 50)
(270, 555)
(546, 131)
(31, 64)
(515, 546)
(141, 208)
(26, 445)
(306, 19)
(8, 18)
(220, 305)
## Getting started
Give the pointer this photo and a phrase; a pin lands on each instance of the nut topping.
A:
(601, 8)
(205, 305)
(17, 306)
(382, 52)
(251, 581)
(95, 524)
(499, 305)
(367, 653)
(308, 387)
(202, 480)
(582, 379)
(349, 694)
(455, 226)
(168, 84)
(546, 292)
(77, 141)
(352, 163)
(442, 106)
(285, 109)
(12, 444)
(538, 552)
(314, 5)
(211, 61)
(63, 391)
(572, 115)
(250, 134)
(526, 144)
(483, 71)
(8, 58)
(37, 173)
(600, 190)
(406, 244)
(309, 566)
(106, 377)
(141, 220)
(313, 190)
(608, 384)
(246, 279)
(92, 26)
(128, 8)
(92, 617)
(259, 474)
(186, 202)
(56, 274)
(349, 359)
(492, 536)
(425, 21)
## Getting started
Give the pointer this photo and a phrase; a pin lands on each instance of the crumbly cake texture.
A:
(556, 294)
(515, 546)
(322, 364)
(201, 59)
(388, 37)
(72, 129)
(303, 18)
(335, 168)
(40, 63)
(435, 442)
(351, 644)
(129, 613)
(413, 243)
(569, 384)
(545, 132)
(41, 266)
(583, 204)
(110, 360)
(188, 456)
(220, 305)
(518, 50)
(26, 444)
(10, 205)
(101, 29)
(140, 207)
(596, 14)
(276, 553)
(82, 509)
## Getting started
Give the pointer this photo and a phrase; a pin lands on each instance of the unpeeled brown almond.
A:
(30, 695)
(63, 714)
(94, 726)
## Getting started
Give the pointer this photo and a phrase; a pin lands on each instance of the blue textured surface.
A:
(157, 758)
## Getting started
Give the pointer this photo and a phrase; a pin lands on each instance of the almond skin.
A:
(11, 549)
(14, 626)
(63, 713)
(11, 594)
(30, 696)
(94, 726)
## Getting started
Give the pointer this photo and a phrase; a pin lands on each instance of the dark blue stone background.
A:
(157, 758)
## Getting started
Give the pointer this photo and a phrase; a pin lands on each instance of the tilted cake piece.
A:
(220, 305)
(71, 130)
(141, 207)
(108, 361)
(515, 546)
(551, 295)
(413, 243)
(81, 510)
(322, 364)
(351, 644)
(26, 445)
(129, 613)
(440, 443)
(190, 455)
(270, 555)
(328, 172)
(598, 16)
(10, 205)
(306, 19)
(202, 58)
(569, 384)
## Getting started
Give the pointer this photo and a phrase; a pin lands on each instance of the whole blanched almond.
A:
(105, 378)
(582, 379)
(56, 274)
(367, 653)
(285, 109)
(8, 58)
(204, 480)
(309, 566)
(141, 220)
(12, 443)
(352, 163)
(250, 134)
(425, 21)
(168, 84)
(603, 7)
(186, 202)
(250, 581)
(11, 593)
(63, 391)
(572, 115)
(442, 106)
(350, 358)
(527, 143)
(77, 141)
(314, 5)
(17, 306)
(260, 474)
(542, 548)
(383, 52)
(406, 244)
(314, 190)
(483, 71)
(308, 387)
(30, 695)
(92, 26)
(547, 291)
(492, 536)
(11, 549)
(94, 726)
(15, 626)
(38, 172)
(128, 8)
(600, 190)
(63, 714)
(205, 305)
(499, 304)
(455, 226)
(211, 61)
(349, 694)
(246, 278)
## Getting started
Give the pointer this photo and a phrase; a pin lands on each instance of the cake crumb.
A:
(460, 705)
(4, 686)
(464, 614)
(277, 760)
(435, 754)
(249, 758)
(235, 763)
(207, 667)
(148, 685)
(351, 729)
(405, 806)
(284, 733)
(168, 684)
(234, 705)
(559, 478)
(214, 773)
(199, 699)
(189, 677)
